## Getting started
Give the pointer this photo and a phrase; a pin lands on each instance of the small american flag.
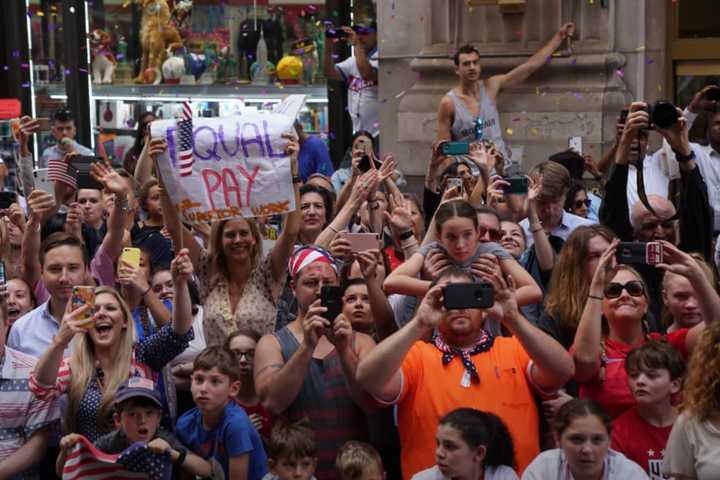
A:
(185, 129)
(58, 172)
(86, 462)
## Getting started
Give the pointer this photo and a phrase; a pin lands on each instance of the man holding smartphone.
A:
(63, 131)
(464, 366)
(307, 369)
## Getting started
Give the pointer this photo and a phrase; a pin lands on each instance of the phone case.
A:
(455, 148)
(131, 255)
(42, 182)
(362, 241)
(654, 253)
(84, 295)
(459, 296)
(331, 298)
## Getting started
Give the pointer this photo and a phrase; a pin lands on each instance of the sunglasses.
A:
(580, 203)
(633, 287)
(494, 234)
(666, 225)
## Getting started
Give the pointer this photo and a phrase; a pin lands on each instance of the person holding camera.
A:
(619, 297)
(464, 365)
(359, 72)
(307, 369)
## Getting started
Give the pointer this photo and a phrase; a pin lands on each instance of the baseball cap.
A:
(138, 387)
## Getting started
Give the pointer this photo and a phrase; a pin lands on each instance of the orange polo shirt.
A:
(431, 390)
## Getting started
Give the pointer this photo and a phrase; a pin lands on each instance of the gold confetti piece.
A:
(659, 88)
(509, 131)
(537, 90)
(535, 131)
(40, 13)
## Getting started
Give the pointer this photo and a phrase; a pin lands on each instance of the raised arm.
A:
(144, 166)
(446, 113)
(379, 372)
(520, 73)
(358, 195)
(286, 241)
(382, 312)
(31, 453)
(588, 336)
(543, 250)
(553, 366)
(367, 71)
(278, 383)
(41, 204)
(331, 72)
(112, 181)
(404, 278)
(182, 270)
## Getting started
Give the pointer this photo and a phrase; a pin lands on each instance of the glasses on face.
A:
(248, 354)
(494, 234)
(633, 287)
(580, 203)
(666, 225)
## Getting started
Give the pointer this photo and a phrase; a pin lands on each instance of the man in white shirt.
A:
(359, 72)
(707, 156)
(64, 131)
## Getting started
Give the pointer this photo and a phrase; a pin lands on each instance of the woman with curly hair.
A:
(694, 443)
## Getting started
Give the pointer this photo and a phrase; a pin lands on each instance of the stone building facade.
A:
(618, 54)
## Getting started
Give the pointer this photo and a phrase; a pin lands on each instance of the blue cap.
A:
(138, 387)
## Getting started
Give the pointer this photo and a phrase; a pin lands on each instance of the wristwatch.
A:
(683, 158)
(406, 234)
(123, 204)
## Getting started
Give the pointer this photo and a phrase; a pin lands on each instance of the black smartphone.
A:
(7, 199)
(364, 164)
(623, 116)
(458, 296)
(518, 185)
(80, 169)
(639, 253)
(331, 298)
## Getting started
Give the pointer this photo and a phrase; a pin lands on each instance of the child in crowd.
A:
(217, 428)
(471, 444)
(359, 461)
(655, 371)
(138, 410)
(292, 453)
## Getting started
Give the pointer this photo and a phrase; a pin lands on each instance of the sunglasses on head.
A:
(580, 203)
(633, 287)
(494, 234)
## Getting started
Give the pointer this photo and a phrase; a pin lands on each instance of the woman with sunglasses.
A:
(577, 201)
(466, 238)
(618, 296)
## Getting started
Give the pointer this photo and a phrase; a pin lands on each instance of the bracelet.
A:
(374, 206)
(683, 158)
(333, 229)
(146, 291)
(406, 235)
(296, 179)
(535, 230)
(595, 297)
(181, 458)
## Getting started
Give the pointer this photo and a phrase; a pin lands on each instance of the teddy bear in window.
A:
(157, 35)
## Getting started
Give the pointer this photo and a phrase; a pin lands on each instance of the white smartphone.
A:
(575, 143)
(42, 182)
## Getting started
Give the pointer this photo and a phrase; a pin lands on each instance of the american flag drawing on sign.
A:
(58, 172)
(86, 462)
(185, 130)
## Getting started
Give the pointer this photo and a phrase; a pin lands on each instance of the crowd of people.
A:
(508, 325)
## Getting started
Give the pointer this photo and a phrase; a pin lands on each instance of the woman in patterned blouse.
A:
(239, 286)
(105, 353)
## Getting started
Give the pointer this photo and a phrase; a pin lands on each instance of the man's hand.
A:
(340, 333)
(109, 178)
(504, 294)
(41, 204)
(485, 266)
(435, 262)
(700, 102)
(314, 324)
(352, 37)
(677, 135)
(565, 32)
(431, 311)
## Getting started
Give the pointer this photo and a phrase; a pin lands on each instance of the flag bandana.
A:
(137, 461)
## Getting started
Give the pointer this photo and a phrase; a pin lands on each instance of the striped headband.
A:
(307, 254)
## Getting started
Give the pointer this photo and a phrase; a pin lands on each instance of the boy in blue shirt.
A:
(218, 429)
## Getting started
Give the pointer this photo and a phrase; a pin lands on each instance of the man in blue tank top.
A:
(468, 112)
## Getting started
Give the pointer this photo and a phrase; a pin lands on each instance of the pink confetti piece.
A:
(620, 73)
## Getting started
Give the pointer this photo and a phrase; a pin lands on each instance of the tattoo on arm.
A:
(267, 367)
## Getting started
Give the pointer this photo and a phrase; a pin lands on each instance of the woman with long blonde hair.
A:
(691, 450)
(570, 281)
(105, 353)
(239, 286)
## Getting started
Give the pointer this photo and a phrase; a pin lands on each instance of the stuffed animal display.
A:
(103, 58)
(157, 36)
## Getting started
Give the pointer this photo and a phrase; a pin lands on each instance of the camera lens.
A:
(664, 114)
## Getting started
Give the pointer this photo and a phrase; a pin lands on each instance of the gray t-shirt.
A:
(116, 441)
(500, 472)
(487, 247)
